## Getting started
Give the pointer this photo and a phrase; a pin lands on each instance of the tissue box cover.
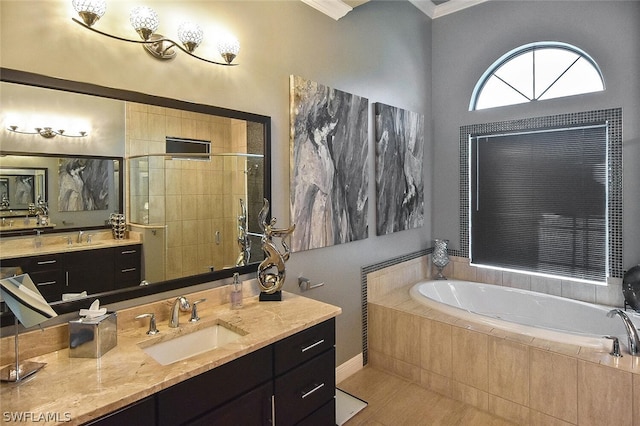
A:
(93, 337)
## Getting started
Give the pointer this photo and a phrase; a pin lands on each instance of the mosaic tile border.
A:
(611, 116)
(364, 271)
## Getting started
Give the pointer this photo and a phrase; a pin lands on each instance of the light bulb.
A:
(190, 34)
(228, 47)
(145, 21)
(90, 10)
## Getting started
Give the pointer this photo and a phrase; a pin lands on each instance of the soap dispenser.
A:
(236, 293)
(37, 242)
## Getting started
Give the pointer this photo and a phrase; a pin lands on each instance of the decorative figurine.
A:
(270, 281)
(243, 237)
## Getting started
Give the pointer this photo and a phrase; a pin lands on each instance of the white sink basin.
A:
(193, 343)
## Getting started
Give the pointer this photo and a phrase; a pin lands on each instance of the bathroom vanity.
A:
(281, 369)
(103, 265)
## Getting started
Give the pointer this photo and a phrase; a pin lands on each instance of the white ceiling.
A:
(336, 9)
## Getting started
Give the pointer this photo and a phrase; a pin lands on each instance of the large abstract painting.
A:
(399, 174)
(84, 184)
(328, 165)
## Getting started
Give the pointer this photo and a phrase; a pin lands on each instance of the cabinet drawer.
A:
(49, 283)
(304, 389)
(296, 349)
(128, 257)
(323, 416)
(35, 263)
(44, 263)
(252, 408)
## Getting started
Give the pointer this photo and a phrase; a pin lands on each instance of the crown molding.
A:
(453, 6)
(425, 6)
(336, 9)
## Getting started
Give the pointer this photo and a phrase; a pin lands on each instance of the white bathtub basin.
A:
(193, 343)
(520, 311)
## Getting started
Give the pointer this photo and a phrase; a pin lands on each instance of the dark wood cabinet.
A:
(128, 262)
(305, 377)
(140, 413)
(45, 271)
(291, 382)
(93, 270)
(208, 391)
(89, 270)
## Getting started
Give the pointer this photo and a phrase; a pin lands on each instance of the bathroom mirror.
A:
(20, 189)
(78, 192)
(108, 136)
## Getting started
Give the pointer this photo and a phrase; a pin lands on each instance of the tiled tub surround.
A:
(528, 381)
(88, 388)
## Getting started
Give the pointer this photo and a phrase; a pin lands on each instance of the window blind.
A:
(539, 201)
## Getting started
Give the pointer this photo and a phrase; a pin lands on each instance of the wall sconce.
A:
(47, 132)
(145, 21)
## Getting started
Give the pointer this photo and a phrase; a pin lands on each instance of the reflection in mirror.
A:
(20, 189)
(191, 210)
(58, 193)
(194, 206)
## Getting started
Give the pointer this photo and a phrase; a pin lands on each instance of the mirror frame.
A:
(37, 80)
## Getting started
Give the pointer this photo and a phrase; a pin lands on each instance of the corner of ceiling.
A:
(425, 6)
(335, 9)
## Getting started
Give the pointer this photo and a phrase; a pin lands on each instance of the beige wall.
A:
(381, 51)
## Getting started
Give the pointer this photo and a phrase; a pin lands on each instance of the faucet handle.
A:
(152, 323)
(616, 347)
(194, 310)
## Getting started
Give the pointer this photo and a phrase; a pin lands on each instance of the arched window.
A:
(534, 72)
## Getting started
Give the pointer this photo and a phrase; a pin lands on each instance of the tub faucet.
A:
(79, 239)
(632, 333)
(180, 304)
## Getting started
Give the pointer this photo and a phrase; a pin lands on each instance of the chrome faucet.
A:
(80, 233)
(180, 304)
(632, 333)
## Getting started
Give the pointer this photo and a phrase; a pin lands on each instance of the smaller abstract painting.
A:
(84, 184)
(399, 172)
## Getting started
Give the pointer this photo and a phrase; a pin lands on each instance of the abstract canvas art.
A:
(329, 156)
(84, 184)
(399, 173)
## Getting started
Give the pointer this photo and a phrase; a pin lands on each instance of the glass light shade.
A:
(190, 34)
(90, 10)
(144, 20)
(228, 47)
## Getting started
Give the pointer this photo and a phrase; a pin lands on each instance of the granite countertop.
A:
(76, 390)
(57, 243)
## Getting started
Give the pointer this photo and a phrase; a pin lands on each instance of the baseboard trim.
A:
(348, 368)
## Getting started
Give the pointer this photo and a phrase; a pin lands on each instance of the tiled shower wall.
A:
(197, 200)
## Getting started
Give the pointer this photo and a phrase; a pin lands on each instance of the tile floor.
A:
(394, 401)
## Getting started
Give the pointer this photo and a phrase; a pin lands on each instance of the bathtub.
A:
(525, 312)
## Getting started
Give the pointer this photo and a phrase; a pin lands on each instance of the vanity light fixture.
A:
(145, 21)
(47, 132)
